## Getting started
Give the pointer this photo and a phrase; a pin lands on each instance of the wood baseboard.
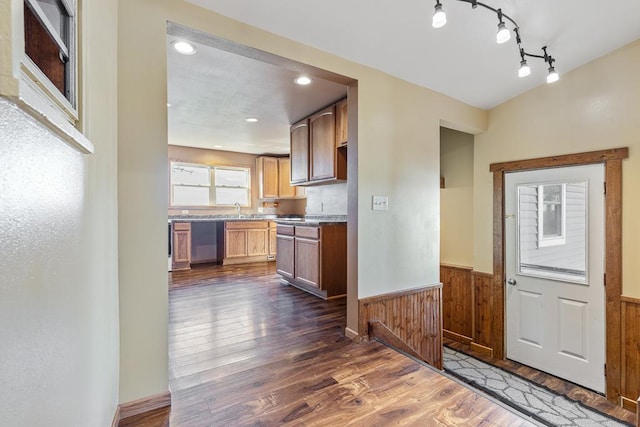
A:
(352, 335)
(456, 337)
(482, 349)
(116, 417)
(145, 404)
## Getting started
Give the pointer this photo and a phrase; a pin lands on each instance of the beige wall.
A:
(59, 287)
(594, 107)
(398, 156)
(456, 199)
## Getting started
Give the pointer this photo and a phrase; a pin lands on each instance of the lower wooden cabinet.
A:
(246, 241)
(181, 253)
(314, 258)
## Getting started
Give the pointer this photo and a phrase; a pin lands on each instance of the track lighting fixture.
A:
(502, 36)
(439, 17)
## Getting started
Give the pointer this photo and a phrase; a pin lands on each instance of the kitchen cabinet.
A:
(274, 179)
(314, 258)
(286, 251)
(322, 130)
(245, 241)
(326, 158)
(268, 184)
(299, 152)
(273, 241)
(341, 124)
(181, 246)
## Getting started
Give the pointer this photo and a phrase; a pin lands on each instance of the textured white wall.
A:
(59, 335)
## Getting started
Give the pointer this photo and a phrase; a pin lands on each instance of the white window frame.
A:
(554, 240)
(67, 105)
(215, 186)
(211, 185)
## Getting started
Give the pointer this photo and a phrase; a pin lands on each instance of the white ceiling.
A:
(214, 91)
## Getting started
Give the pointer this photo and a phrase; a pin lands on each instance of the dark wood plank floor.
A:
(247, 350)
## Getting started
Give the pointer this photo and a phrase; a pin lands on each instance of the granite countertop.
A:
(282, 219)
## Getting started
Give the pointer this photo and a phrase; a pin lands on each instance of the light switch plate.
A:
(380, 203)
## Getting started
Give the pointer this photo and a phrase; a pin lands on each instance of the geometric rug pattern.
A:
(538, 402)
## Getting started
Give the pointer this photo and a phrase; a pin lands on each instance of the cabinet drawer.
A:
(182, 226)
(245, 224)
(287, 230)
(308, 232)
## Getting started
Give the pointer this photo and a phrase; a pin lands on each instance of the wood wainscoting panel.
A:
(630, 367)
(414, 316)
(482, 284)
(457, 300)
(146, 404)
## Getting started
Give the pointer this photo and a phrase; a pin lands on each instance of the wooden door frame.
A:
(612, 160)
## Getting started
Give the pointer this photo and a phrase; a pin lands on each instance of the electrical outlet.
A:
(380, 203)
(260, 210)
(185, 212)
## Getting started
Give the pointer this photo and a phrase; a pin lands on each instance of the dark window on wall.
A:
(49, 42)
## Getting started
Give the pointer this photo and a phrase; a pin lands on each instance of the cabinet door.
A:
(341, 123)
(273, 241)
(307, 261)
(235, 243)
(322, 134)
(286, 256)
(268, 177)
(300, 152)
(285, 190)
(257, 241)
(182, 246)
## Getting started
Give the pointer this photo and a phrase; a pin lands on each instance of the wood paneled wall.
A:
(470, 301)
(414, 316)
(630, 333)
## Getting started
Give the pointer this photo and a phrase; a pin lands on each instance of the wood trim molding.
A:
(380, 331)
(601, 156)
(116, 417)
(612, 160)
(352, 335)
(638, 412)
(630, 300)
(145, 404)
(413, 315)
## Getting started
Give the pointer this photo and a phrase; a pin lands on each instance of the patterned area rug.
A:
(538, 402)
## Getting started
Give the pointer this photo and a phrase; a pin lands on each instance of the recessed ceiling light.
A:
(183, 47)
(303, 81)
(217, 146)
(251, 119)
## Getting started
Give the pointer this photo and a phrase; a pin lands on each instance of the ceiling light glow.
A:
(251, 119)
(303, 81)
(183, 47)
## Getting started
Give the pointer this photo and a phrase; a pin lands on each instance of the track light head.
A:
(439, 17)
(524, 69)
(553, 75)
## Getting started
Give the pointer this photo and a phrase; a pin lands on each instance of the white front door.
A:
(554, 253)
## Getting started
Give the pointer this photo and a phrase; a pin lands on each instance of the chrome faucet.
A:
(237, 205)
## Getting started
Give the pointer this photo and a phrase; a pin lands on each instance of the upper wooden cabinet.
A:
(322, 131)
(316, 140)
(300, 152)
(341, 123)
(268, 178)
(274, 179)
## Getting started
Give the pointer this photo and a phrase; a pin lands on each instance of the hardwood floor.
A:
(247, 350)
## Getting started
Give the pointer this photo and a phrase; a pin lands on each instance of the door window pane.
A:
(552, 231)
